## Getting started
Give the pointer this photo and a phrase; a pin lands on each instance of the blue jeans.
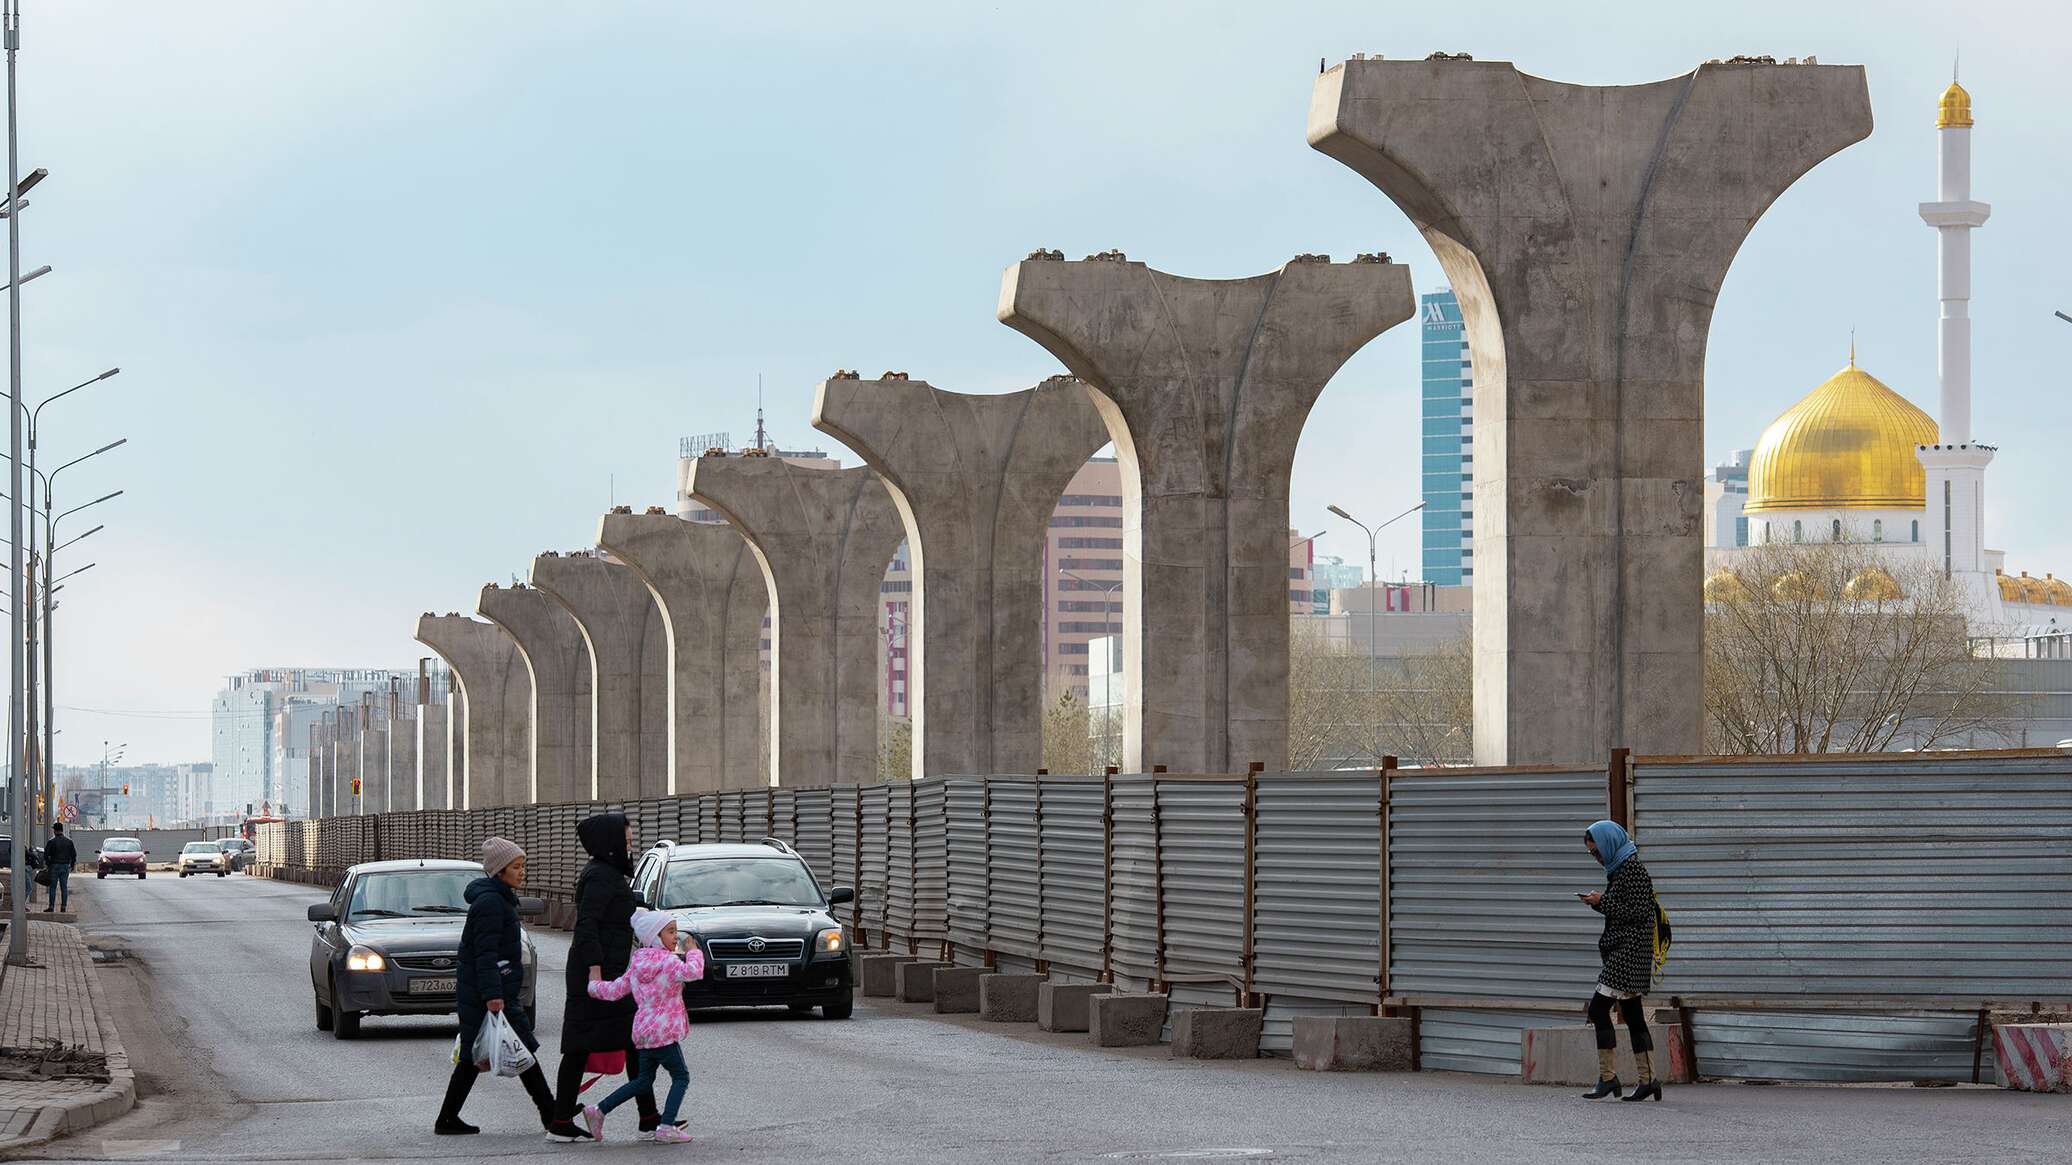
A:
(668, 1056)
(60, 880)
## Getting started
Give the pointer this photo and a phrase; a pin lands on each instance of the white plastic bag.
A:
(498, 1046)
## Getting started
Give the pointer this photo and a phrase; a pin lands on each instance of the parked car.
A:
(388, 943)
(240, 851)
(762, 921)
(120, 855)
(203, 857)
(7, 854)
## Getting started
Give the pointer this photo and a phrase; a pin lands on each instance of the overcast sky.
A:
(402, 292)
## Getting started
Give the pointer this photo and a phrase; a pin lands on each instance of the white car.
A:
(203, 857)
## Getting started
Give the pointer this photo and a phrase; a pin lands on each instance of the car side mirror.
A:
(527, 907)
(322, 912)
(841, 894)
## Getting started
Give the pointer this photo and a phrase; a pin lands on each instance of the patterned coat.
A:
(1627, 945)
(655, 979)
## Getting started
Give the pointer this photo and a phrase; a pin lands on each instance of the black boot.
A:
(458, 1086)
(1609, 1086)
(1645, 1090)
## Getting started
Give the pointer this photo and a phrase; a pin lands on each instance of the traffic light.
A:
(125, 788)
(356, 786)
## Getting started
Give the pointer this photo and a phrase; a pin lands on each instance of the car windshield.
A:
(771, 881)
(122, 845)
(193, 847)
(406, 893)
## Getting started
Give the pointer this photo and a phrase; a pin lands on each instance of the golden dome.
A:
(1872, 585)
(1794, 584)
(1954, 109)
(2060, 590)
(2033, 589)
(1848, 445)
(1724, 586)
(2010, 587)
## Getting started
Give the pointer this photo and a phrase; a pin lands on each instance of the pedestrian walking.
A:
(490, 980)
(655, 978)
(59, 856)
(602, 945)
(1633, 946)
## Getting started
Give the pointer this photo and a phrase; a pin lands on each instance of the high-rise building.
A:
(1449, 455)
(260, 728)
(1082, 576)
(1726, 492)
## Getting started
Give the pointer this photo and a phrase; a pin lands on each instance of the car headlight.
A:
(829, 942)
(364, 959)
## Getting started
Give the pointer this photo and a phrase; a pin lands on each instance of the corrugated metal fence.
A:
(1836, 919)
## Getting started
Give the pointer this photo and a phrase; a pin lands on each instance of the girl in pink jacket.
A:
(655, 979)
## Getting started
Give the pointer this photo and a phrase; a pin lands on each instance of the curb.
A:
(118, 1096)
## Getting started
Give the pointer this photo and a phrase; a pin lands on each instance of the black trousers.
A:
(568, 1085)
(1600, 1013)
(462, 1082)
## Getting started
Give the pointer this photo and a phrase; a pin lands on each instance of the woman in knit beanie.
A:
(490, 979)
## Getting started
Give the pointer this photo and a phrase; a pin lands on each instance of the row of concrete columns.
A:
(1586, 231)
(395, 745)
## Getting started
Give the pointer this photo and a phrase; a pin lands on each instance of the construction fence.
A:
(1836, 919)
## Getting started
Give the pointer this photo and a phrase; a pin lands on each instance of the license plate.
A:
(758, 970)
(431, 986)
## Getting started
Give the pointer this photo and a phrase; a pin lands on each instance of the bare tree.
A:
(1835, 647)
(1067, 745)
(1345, 710)
(895, 749)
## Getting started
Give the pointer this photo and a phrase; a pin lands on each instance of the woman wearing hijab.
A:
(1629, 949)
(602, 945)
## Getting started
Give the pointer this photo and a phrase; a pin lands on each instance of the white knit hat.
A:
(648, 926)
(497, 853)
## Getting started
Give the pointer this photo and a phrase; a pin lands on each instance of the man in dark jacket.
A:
(491, 979)
(603, 941)
(60, 855)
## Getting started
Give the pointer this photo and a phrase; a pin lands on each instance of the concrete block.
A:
(1125, 1021)
(914, 979)
(956, 989)
(1568, 1055)
(1005, 998)
(1062, 1007)
(878, 973)
(2032, 1057)
(1218, 1033)
(1354, 1043)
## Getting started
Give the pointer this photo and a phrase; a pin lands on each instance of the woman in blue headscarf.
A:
(1630, 947)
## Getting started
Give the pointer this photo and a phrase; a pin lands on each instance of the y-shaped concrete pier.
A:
(629, 656)
(710, 589)
(491, 711)
(976, 479)
(824, 538)
(563, 730)
(1205, 385)
(1586, 231)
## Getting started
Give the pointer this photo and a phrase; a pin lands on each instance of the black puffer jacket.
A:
(603, 937)
(492, 960)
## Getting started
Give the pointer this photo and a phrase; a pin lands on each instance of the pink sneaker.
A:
(593, 1119)
(673, 1135)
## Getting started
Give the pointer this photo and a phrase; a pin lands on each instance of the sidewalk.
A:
(60, 999)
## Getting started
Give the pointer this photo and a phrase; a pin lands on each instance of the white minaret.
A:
(1956, 466)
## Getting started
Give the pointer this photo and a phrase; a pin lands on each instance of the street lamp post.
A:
(49, 559)
(1373, 607)
(18, 918)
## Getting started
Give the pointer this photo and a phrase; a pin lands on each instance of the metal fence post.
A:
(1158, 944)
(1108, 876)
(1251, 812)
(1381, 812)
(1617, 788)
(1042, 964)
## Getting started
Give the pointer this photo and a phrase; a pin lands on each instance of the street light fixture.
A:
(2063, 316)
(31, 277)
(1374, 600)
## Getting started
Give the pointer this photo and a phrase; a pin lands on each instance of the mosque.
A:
(1854, 461)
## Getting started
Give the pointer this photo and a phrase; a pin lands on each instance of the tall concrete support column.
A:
(346, 748)
(824, 538)
(1586, 231)
(321, 803)
(1205, 386)
(374, 770)
(563, 730)
(492, 761)
(709, 588)
(401, 742)
(433, 754)
(976, 479)
(628, 646)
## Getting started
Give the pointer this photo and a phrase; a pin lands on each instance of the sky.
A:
(404, 293)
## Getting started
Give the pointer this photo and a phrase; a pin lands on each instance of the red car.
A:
(120, 855)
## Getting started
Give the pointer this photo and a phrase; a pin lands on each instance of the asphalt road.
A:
(214, 1008)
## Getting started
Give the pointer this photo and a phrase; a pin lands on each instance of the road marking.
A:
(126, 1150)
(1187, 1155)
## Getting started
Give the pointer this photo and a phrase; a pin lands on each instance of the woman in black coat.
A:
(603, 942)
(491, 978)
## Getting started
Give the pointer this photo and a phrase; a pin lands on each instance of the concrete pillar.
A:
(400, 741)
(493, 763)
(320, 801)
(433, 753)
(626, 641)
(346, 747)
(1205, 385)
(1586, 231)
(711, 593)
(374, 778)
(976, 479)
(563, 730)
(824, 538)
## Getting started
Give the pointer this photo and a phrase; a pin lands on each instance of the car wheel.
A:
(98, 874)
(323, 1016)
(344, 1024)
(183, 873)
(841, 1008)
(219, 873)
(140, 875)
